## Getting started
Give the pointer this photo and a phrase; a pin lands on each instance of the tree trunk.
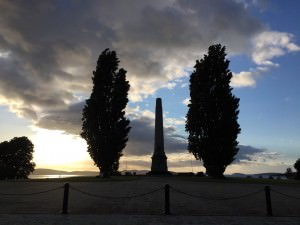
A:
(215, 171)
(105, 174)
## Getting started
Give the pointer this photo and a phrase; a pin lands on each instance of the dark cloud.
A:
(138, 163)
(246, 153)
(53, 48)
(141, 138)
(44, 41)
(68, 120)
(224, 21)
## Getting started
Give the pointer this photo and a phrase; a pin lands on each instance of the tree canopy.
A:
(15, 158)
(213, 113)
(104, 125)
(297, 167)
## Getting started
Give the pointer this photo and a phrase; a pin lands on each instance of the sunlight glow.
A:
(56, 150)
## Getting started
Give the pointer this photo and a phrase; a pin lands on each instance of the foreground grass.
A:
(80, 179)
(177, 178)
(240, 180)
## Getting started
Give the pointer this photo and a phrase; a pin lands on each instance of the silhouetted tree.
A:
(104, 125)
(213, 113)
(15, 158)
(297, 167)
(289, 172)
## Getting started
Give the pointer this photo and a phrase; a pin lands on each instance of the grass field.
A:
(179, 178)
(144, 195)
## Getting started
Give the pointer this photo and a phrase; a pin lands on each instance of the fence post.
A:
(167, 199)
(268, 201)
(66, 198)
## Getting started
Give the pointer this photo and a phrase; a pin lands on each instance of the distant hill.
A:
(263, 175)
(236, 175)
(59, 172)
(42, 171)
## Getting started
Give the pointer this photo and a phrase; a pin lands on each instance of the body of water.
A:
(51, 176)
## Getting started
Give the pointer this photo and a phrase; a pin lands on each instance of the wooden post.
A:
(167, 199)
(66, 198)
(268, 201)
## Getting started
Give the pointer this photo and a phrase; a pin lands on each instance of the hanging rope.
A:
(32, 193)
(211, 198)
(113, 197)
(285, 195)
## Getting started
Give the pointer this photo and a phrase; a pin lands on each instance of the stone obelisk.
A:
(159, 159)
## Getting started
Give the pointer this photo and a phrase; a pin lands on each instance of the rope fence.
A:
(166, 194)
(285, 195)
(32, 193)
(114, 197)
(216, 199)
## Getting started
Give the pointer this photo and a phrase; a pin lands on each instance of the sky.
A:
(48, 50)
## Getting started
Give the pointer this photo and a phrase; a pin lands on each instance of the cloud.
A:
(271, 44)
(48, 49)
(249, 154)
(68, 120)
(267, 46)
(47, 64)
(185, 161)
(174, 121)
(243, 79)
(186, 101)
(141, 138)
(246, 152)
(136, 163)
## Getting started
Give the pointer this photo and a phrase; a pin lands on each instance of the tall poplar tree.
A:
(213, 113)
(104, 125)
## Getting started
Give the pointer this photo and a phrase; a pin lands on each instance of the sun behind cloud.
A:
(55, 149)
